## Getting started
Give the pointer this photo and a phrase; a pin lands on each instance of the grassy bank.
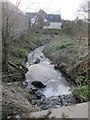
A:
(16, 98)
(71, 57)
(18, 53)
(22, 46)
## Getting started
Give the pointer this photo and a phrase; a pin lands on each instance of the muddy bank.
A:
(15, 101)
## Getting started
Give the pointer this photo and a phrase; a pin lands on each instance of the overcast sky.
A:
(67, 8)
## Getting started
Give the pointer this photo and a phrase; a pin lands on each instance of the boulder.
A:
(40, 95)
(37, 61)
(38, 84)
(56, 66)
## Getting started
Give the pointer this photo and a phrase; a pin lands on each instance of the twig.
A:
(10, 75)
(18, 68)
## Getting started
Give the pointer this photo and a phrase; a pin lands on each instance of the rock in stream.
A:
(44, 103)
(57, 91)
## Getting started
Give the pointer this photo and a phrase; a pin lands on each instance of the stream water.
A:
(56, 84)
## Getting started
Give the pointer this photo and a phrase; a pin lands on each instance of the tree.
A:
(8, 20)
(39, 21)
(83, 10)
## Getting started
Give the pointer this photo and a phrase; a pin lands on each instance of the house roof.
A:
(49, 17)
(31, 15)
(53, 17)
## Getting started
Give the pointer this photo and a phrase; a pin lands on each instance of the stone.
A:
(38, 84)
(40, 95)
(37, 61)
(32, 90)
(56, 66)
(25, 83)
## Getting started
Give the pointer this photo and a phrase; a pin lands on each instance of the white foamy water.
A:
(45, 72)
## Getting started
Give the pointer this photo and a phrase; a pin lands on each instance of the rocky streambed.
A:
(56, 91)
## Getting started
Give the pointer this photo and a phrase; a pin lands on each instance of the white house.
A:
(54, 21)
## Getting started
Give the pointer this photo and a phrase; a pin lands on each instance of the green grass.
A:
(83, 92)
(18, 52)
(73, 57)
(20, 48)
